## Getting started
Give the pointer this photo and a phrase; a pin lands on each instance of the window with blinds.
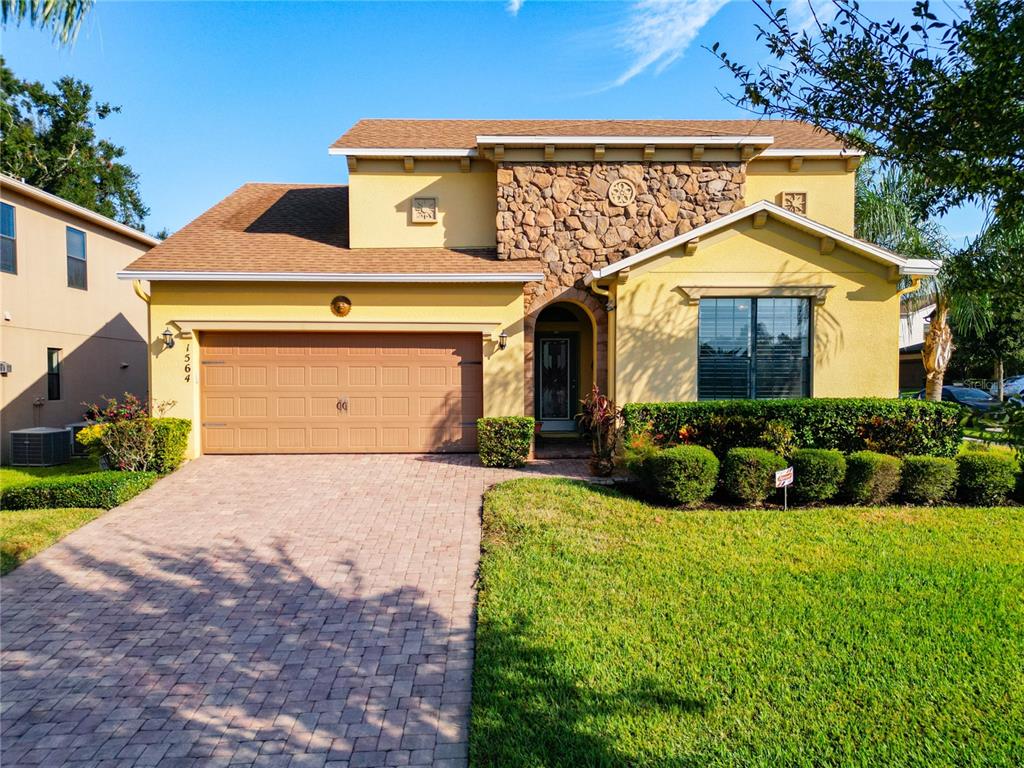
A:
(753, 348)
(77, 271)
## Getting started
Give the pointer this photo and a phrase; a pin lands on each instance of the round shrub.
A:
(871, 478)
(748, 474)
(985, 477)
(683, 475)
(504, 441)
(927, 479)
(818, 474)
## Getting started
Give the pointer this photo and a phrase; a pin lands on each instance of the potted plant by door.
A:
(601, 419)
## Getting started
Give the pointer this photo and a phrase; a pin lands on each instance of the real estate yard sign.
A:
(784, 479)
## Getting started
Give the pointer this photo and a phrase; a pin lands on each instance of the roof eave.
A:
(332, 277)
(74, 209)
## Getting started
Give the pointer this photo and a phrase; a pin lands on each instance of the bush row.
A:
(687, 475)
(101, 490)
(896, 427)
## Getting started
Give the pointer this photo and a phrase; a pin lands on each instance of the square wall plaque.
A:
(424, 210)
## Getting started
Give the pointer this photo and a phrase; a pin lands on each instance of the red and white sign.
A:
(784, 477)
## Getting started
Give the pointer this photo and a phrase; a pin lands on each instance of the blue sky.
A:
(217, 94)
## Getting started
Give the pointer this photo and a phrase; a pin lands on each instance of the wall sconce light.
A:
(502, 340)
(168, 337)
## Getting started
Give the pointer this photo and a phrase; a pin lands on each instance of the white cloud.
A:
(513, 6)
(802, 14)
(659, 31)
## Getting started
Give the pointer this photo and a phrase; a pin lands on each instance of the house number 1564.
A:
(188, 362)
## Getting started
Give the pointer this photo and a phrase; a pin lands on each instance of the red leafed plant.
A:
(601, 419)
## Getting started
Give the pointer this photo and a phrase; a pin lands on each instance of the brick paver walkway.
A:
(255, 610)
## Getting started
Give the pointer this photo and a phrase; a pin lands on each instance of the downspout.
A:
(914, 287)
(610, 352)
(141, 293)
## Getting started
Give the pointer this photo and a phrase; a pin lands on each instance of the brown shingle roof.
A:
(461, 134)
(301, 228)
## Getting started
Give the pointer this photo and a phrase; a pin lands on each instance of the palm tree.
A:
(63, 16)
(888, 212)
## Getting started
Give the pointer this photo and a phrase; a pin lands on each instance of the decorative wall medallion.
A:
(621, 192)
(424, 210)
(795, 202)
(341, 306)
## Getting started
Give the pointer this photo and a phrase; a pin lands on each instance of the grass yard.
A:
(17, 475)
(611, 632)
(26, 532)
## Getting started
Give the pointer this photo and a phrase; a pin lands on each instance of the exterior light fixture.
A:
(168, 337)
(502, 340)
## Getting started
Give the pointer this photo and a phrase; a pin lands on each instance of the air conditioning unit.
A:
(77, 449)
(40, 447)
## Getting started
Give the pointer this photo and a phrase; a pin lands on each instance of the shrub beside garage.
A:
(98, 490)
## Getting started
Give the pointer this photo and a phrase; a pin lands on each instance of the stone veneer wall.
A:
(559, 212)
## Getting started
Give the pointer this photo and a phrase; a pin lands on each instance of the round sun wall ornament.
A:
(341, 306)
(621, 192)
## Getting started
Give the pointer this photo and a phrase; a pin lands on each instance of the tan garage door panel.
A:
(340, 392)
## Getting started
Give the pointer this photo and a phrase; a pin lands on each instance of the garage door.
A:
(340, 393)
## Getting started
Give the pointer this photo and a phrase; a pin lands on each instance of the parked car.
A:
(972, 397)
(1013, 385)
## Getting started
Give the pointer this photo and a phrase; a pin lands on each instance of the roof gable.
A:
(904, 265)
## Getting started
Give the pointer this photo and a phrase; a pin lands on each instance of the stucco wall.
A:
(497, 304)
(855, 332)
(829, 187)
(98, 330)
(380, 198)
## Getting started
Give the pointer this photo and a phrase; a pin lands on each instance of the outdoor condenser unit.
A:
(40, 446)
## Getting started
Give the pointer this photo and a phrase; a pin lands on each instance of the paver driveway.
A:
(271, 610)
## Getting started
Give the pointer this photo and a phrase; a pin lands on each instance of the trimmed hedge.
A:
(985, 478)
(504, 441)
(818, 474)
(927, 479)
(682, 475)
(871, 478)
(748, 474)
(170, 441)
(102, 490)
(896, 427)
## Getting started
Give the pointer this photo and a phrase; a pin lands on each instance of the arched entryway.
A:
(564, 364)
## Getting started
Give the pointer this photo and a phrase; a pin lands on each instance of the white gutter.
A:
(611, 141)
(399, 152)
(907, 266)
(812, 153)
(9, 182)
(337, 277)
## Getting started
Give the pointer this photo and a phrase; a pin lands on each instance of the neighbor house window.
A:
(8, 240)
(52, 374)
(754, 348)
(76, 259)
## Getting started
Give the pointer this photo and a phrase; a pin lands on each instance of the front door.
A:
(557, 380)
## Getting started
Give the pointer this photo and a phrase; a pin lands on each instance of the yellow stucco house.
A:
(483, 267)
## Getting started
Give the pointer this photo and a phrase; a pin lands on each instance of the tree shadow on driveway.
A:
(234, 654)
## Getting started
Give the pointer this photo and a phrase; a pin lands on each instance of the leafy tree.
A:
(48, 138)
(64, 17)
(942, 99)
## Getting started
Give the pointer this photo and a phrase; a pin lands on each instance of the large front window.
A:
(754, 348)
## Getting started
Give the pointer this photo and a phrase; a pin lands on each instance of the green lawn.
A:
(611, 632)
(17, 475)
(26, 532)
